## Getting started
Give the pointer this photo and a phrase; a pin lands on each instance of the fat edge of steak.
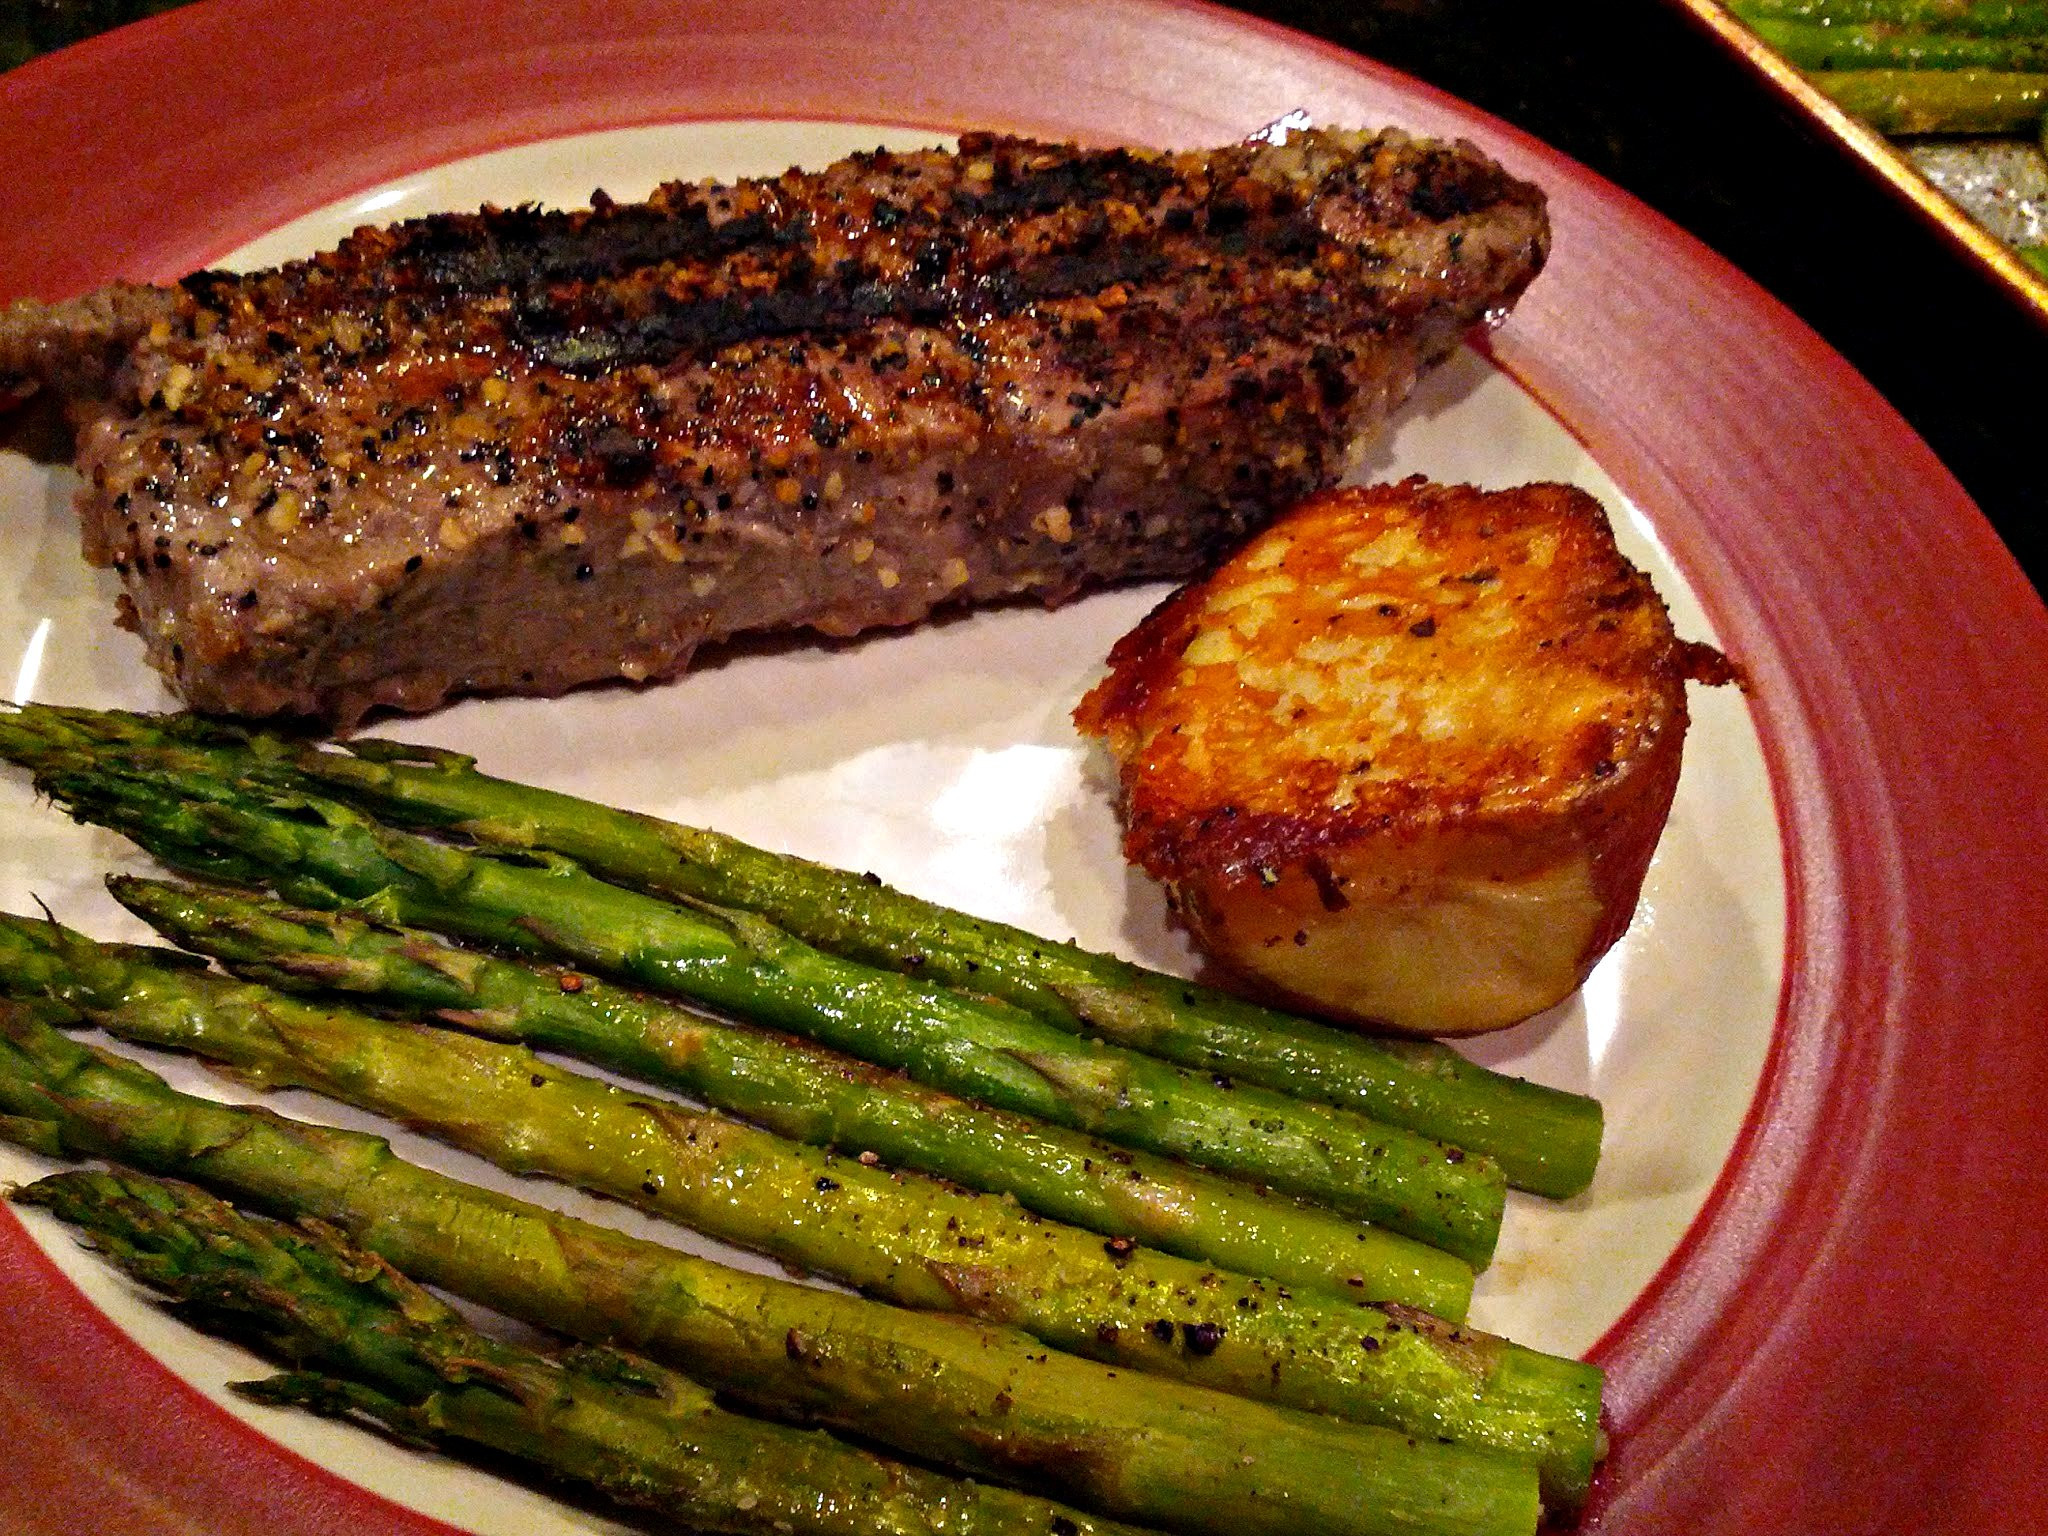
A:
(835, 481)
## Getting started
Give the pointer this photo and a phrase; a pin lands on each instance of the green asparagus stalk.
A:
(985, 1400)
(325, 855)
(390, 1352)
(899, 1237)
(1939, 100)
(1980, 18)
(1815, 46)
(1545, 1140)
(813, 1095)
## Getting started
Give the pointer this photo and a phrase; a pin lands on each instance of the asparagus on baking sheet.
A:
(813, 1095)
(1940, 100)
(976, 1397)
(1983, 18)
(324, 854)
(389, 1352)
(904, 1238)
(1546, 1141)
(1820, 46)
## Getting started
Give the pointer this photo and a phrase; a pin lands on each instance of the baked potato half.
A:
(1403, 760)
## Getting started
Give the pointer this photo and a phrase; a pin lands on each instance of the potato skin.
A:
(1402, 761)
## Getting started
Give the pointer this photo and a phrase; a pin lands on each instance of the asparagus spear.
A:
(325, 855)
(1982, 18)
(1939, 100)
(814, 1096)
(645, 1435)
(1545, 1140)
(1814, 46)
(981, 1399)
(905, 1239)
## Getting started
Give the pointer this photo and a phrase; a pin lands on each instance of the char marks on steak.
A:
(516, 450)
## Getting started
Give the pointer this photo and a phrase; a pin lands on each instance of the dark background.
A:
(1633, 89)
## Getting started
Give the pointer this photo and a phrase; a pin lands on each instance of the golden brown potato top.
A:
(1409, 656)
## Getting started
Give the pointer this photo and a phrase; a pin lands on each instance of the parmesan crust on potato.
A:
(1402, 761)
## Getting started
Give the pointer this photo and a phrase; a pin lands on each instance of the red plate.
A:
(1833, 1349)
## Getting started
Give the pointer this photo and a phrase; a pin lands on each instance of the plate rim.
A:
(1709, 1360)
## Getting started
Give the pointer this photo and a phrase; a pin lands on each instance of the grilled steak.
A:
(514, 451)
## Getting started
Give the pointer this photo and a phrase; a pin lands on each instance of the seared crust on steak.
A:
(517, 451)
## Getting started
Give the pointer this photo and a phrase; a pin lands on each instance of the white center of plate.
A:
(942, 759)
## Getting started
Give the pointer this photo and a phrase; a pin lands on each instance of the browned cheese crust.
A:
(1403, 760)
(517, 451)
